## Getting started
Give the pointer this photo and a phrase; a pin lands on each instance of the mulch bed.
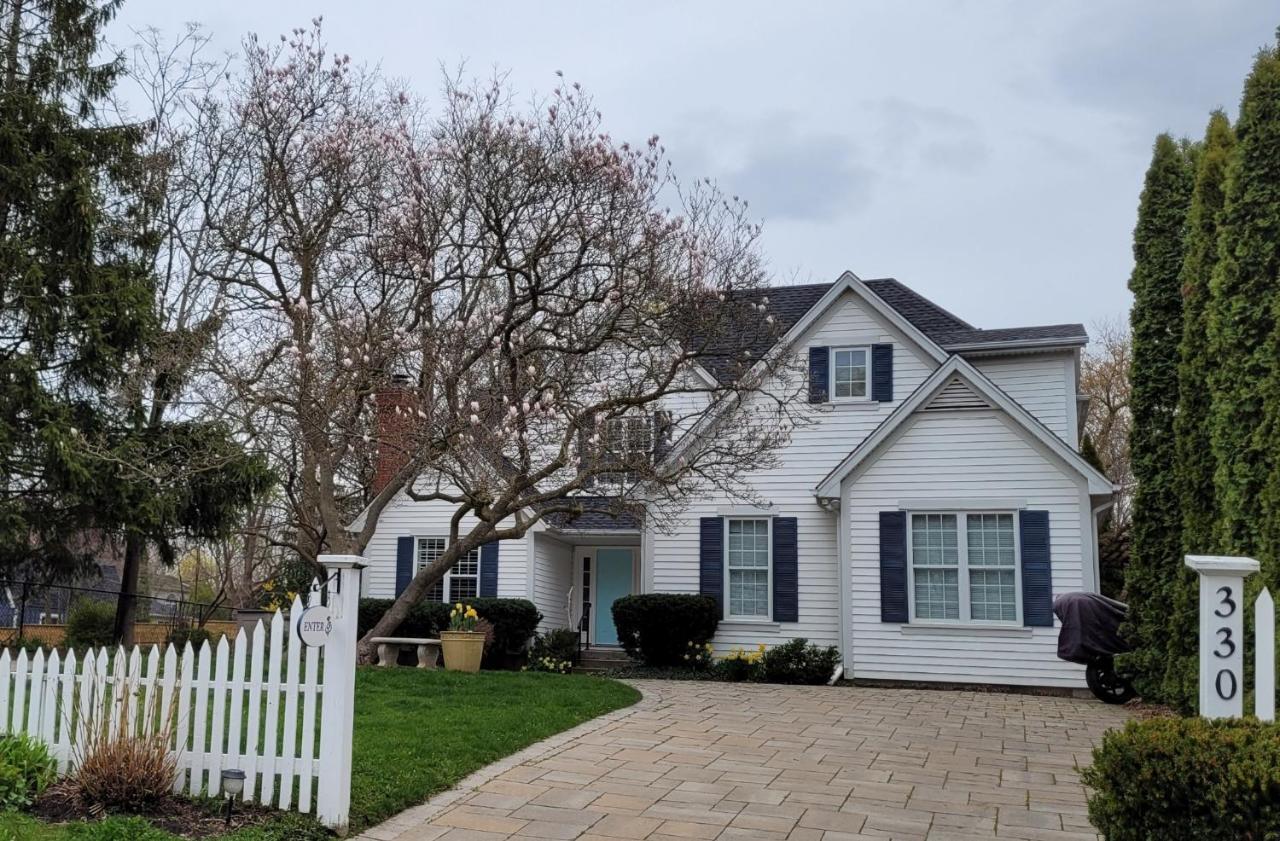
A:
(180, 816)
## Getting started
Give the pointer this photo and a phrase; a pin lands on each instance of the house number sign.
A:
(1222, 603)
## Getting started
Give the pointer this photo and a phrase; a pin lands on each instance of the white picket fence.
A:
(266, 704)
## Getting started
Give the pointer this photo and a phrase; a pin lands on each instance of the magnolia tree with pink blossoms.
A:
(543, 318)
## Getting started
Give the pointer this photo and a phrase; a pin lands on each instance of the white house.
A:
(923, 524)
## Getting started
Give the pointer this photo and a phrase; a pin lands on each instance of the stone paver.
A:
(735, 761)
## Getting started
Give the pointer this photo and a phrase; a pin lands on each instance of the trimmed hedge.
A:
(798, 662)
(657, 628)
(514, 621)
(1187, 779)
(91, 624)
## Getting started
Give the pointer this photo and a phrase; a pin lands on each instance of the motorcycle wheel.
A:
(1106, 685)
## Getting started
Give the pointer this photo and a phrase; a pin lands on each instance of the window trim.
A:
(729, 616)
(962, 546)
(446, 583)
(831, 374)
(626, 477)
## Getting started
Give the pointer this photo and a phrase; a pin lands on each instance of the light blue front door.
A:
(615, 570)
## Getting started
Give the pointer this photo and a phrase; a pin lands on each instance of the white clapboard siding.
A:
(250, 704)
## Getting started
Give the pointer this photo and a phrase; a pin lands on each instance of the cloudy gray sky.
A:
(988, 154)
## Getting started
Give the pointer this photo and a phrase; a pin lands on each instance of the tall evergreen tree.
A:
(1242, 317)
(1156, 324)
(1195, 465)
(1255, 196)
(75, 300)
(81, 449)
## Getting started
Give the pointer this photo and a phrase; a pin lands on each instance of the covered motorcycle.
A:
(1090, 636)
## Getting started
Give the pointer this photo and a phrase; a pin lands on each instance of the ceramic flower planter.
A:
(462, 650)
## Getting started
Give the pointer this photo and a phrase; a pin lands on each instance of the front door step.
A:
(596, 660)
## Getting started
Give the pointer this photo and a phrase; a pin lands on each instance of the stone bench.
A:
(389, 650)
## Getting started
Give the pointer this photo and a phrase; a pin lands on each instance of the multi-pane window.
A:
(935, 561)
(849, 372)
(460, 583)
(992, 563)
(748, 563)
(628, 444)
(974, 578)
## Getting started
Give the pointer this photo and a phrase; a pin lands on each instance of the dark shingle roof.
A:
(599, 513)
(925, 315)
(788, 304)
(1015, 335)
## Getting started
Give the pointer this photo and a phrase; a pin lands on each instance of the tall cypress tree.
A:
(1195, 465)
(1156, 325)
(1242, 317)
(1255, 247)
(75, 299)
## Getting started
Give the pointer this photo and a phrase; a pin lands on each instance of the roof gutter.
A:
(1020, 344)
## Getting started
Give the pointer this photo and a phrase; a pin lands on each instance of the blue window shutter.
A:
(786, 584)
(819, 374)
(882, 373)
(489, 570)
(893, 566)
(711, 559)
(1037, 575)
(404, 563)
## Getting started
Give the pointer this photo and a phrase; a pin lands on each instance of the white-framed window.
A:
(964, 567)
(628, 444)
(50, 618)
(850, 373)
(460, 583)
(748, 567)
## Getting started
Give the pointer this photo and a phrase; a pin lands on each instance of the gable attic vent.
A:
(956, 394)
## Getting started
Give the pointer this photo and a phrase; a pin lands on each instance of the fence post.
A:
(1264, 657)
(337, 718)
(1221, 632)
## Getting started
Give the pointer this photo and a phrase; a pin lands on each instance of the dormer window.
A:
(850, 373)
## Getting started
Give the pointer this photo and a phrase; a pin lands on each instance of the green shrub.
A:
(659, 628)
(91, 624)
(1187, 779)
(26, 769)
(514, 620)
(180, 636)
(425, 619)
(739, 665)
(799, 662)
(560, 645)
(27, 644)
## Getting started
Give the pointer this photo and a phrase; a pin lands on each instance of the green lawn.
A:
(418, 733)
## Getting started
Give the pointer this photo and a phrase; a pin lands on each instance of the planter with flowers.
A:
(463, 643)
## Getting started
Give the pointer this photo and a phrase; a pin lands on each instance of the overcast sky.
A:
(988, 154)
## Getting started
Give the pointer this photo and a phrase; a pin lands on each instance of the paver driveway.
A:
(726, 761)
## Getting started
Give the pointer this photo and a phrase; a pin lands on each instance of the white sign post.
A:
(337, 719)
(1222, 606)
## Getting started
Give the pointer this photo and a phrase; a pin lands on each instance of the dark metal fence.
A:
(24, 603)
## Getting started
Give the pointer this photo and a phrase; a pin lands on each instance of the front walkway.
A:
(728, 761)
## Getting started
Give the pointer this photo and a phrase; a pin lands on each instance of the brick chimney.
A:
(394, 409)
